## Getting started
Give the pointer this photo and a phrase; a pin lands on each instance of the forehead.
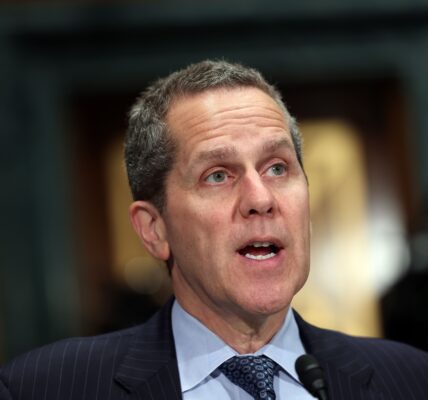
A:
(222, 110)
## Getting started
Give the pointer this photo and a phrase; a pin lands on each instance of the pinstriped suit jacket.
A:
(140, 363)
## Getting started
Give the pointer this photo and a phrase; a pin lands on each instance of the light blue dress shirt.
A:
(200, 352)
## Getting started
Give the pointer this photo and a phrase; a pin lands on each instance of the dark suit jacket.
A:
(140, 363)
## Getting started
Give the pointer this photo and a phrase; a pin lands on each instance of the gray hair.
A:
(149, 148)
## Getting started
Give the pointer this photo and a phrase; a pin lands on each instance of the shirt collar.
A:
(200, 351)
(286, 346)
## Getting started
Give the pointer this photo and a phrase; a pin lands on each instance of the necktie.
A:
(253, 374)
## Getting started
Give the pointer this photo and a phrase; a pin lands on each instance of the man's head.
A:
(235, 215)
(150, 147)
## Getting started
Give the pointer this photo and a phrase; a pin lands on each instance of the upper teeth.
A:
(262, 244)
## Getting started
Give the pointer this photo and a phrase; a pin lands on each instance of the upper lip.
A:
(265, 239)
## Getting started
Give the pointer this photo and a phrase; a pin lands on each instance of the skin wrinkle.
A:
(261, 121)
(221, 114)
(221, 118)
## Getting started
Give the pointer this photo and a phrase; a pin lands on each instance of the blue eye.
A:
(276, 170)
(216, 177)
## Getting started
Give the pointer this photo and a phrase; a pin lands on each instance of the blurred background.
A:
(355, 74)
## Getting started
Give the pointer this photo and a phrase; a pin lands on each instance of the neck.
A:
(245, 333)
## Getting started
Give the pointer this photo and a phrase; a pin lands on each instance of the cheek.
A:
(296, 207)
(204, 218)
(194, 230)
(302, 202)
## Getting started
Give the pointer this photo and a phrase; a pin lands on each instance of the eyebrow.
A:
(277, 144)
(222, 153)
(230, 152)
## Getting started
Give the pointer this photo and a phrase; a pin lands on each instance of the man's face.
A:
(237, 215)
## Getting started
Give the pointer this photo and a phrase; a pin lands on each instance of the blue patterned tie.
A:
(253, 374)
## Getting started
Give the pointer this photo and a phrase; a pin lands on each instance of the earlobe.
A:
(150, 228)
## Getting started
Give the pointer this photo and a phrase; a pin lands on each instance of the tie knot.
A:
(254, 374)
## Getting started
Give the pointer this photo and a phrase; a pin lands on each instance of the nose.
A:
(256, 197)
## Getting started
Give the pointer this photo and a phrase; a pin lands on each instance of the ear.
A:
(150, 227)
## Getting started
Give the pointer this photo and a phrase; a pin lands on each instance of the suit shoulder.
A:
(68, 357)
(383, 349)
(382, 353)
(379, 353)
(69, 348)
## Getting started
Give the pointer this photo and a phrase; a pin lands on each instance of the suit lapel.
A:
(348, 375)
(149, 369)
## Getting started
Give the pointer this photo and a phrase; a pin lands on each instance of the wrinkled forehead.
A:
(188, 110)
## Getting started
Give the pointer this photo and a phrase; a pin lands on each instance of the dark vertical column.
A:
(404, 304)
(416, 67)
(38, 298)
(22, 298)
(53, 198)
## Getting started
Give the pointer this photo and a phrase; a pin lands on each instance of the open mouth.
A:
(259, 250)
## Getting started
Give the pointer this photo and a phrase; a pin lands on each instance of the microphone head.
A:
(310, 374)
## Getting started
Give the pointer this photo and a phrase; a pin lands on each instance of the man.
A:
(215, 167)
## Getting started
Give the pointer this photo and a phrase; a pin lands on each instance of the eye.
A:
(216, 177)
(276, 170)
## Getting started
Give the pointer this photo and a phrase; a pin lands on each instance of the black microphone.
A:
(312, 376)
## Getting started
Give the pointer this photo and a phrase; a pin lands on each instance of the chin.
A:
(263, 305)
(273, 298)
